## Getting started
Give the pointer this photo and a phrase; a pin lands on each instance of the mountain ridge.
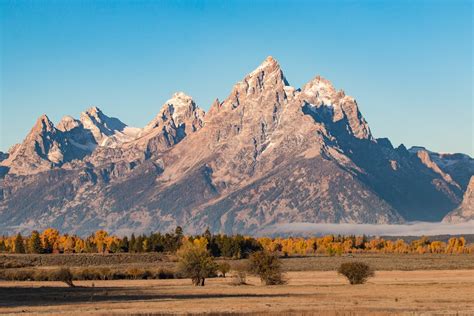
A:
(268, 153)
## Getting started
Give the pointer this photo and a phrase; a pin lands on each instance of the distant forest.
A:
(237, 246)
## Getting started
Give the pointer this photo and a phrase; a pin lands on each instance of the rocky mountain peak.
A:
(268, 66)
(333, 106)
(177, 118)
(93, 117)
(94, 111)
(268, 74)
(177, 110)
(101, 126)
(320, 91)
(43, 124)
(68, 123)
(267, 79)
(181, 107)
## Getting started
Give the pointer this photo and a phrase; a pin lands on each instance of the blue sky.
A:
(408, 63)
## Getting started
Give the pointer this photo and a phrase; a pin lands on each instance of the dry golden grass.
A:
(425, 292)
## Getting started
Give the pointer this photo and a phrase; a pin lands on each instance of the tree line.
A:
(219, 245)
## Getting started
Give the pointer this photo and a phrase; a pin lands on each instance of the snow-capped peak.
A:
(320, 89)
(68, 123)
(107, 131)
(268, 63)
(268, 71)
(180, 100)
(177, 109)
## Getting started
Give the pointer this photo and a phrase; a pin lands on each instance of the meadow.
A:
(425, 284)
(160, 274)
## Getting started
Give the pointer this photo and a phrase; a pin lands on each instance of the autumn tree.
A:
(267, 266)
(195, 262)
(50, 239)
(224, 268)
(99, 239)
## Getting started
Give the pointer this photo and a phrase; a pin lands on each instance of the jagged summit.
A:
(177, 110)
(269, 65)
(68, 123)
(94, 110)
(43, 124)
(178, 117)
(268, 72)
(320, 91)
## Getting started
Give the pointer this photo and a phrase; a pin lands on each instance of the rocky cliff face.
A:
(269, 153)
(459, 167)
(465, 212)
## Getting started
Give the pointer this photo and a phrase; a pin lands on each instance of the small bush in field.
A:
(134, 273)
(239, 278)
(63, 275)
(356, 272)
(223, 268)
(267, 266)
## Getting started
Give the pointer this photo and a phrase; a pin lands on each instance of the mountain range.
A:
(269, 153)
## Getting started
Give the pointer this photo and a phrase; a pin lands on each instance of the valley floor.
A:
(418, 292)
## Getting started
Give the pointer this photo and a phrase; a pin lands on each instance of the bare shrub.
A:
(267, 266)
(356, 272)
(239, 278)
(63, 275)
(135, 273)
(223, 268)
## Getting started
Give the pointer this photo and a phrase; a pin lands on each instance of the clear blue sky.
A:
(408, 63)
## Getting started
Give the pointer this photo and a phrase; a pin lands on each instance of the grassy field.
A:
(428, 292)
(409, 284)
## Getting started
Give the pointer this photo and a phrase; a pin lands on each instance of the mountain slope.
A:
(465, 212)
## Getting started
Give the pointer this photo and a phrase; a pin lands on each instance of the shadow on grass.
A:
(40, 296)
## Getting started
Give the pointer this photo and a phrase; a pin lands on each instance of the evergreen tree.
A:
(178, 231)
(19, 246)
(139, 244)
(124, 244)
(3, 247)
(132, 243)
(34, 244)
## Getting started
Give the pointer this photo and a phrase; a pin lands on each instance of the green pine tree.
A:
(19, 245)
(34, 243)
